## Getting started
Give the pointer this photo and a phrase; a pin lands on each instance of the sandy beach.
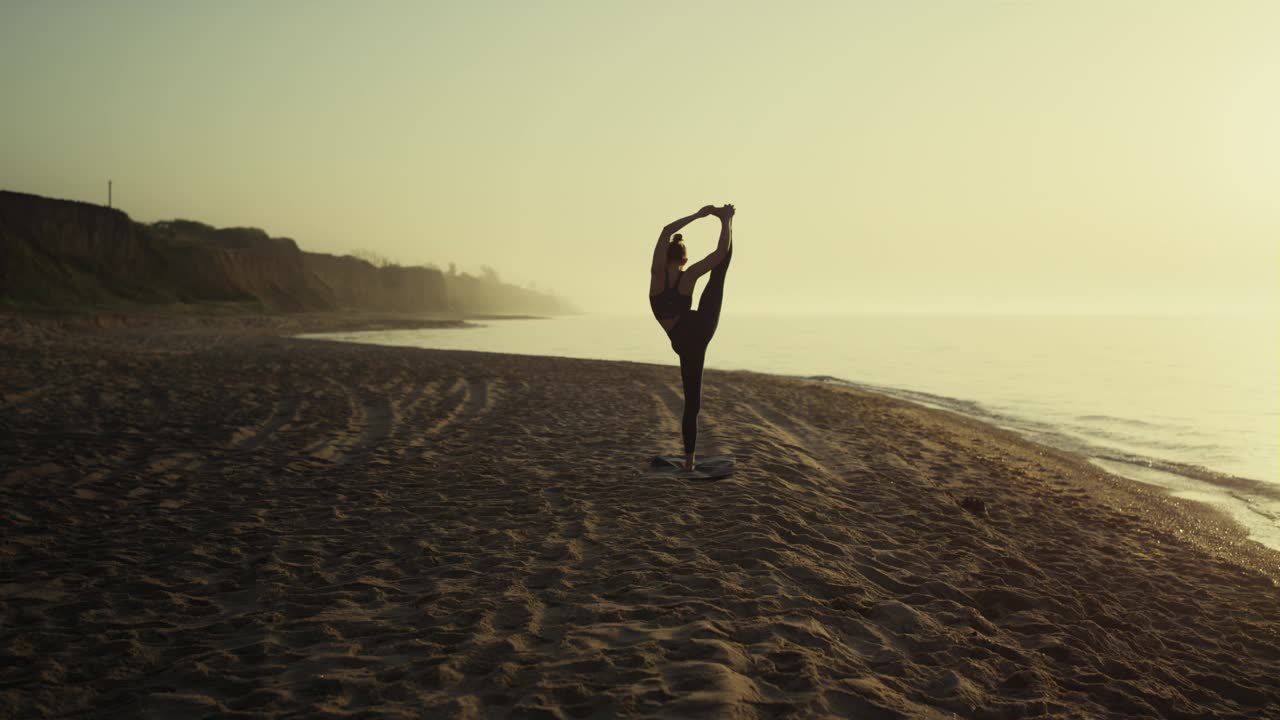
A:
(209, 519)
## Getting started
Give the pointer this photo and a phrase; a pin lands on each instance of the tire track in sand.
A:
(406, 407)
(782, 449)
(368, 423)
(475, 401)
(444, 412)
(283, 412)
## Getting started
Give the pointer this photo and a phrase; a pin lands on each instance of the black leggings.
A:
(689, 338)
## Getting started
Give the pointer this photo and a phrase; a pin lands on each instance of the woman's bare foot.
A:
(725, 212)
(688, 462)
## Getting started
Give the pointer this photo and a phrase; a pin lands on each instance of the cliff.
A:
(239, 264)
(57, 253)
(354, 283)
(64, 254)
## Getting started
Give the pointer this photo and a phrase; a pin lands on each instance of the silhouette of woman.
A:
(671, 299)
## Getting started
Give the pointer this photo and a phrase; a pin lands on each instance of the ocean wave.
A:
(1271, 491)
(1146, 441)
(1118, 420)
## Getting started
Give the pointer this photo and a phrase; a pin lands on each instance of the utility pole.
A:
(108, 193)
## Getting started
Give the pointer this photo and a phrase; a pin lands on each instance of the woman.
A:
(671, 297)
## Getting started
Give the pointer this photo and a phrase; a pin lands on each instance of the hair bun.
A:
(677, 238)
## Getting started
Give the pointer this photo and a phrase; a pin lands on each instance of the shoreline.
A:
(1234, 495)
(1225, 523)
(203, 522)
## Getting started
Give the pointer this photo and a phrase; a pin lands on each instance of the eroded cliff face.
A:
(64, 254)
(240, 264)
(355, 283)
(55, 252)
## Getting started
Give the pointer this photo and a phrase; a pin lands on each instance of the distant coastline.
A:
(68, 256)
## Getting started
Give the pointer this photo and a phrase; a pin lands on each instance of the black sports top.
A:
(669, 303)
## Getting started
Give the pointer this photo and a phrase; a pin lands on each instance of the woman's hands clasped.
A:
(724, 212)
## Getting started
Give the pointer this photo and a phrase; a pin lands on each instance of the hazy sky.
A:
(888, 155)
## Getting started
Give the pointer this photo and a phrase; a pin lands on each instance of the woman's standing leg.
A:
(691, 361)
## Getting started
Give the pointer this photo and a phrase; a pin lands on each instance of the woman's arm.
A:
(664, 238)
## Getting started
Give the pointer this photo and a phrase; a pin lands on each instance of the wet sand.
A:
(210, 519)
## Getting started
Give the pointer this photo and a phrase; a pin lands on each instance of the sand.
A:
(212, 520)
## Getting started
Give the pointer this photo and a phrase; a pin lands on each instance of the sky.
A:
(958, 155)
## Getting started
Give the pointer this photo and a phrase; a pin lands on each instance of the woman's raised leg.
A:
(713, 294)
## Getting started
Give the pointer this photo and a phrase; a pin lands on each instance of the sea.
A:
(1188, 403)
